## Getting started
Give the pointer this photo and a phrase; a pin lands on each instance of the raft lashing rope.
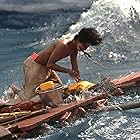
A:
(88, 56)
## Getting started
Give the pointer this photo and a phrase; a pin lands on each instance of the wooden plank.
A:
(23, 117)
(33, 122)
(129, 80)
(23, 106)
(5, 134)
(6, 119)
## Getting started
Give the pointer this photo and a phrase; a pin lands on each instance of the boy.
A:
(41, 67)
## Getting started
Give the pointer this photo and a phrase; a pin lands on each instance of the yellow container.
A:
(47, 85)
(81, 85)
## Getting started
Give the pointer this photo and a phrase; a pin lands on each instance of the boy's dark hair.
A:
(89, 35)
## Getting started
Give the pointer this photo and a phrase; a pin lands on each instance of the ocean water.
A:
(27, 26)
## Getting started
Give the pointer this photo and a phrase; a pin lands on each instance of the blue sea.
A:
(30, 25)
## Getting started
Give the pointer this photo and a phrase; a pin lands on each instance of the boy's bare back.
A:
(55, 52)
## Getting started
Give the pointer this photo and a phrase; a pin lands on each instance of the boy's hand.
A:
(74, 75)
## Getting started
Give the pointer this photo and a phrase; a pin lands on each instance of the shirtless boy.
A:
(41, 67)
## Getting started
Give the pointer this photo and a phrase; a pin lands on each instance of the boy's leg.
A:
(34, 75)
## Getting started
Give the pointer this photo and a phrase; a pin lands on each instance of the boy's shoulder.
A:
(66, 40)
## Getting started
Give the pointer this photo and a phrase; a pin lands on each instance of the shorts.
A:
(35, 74)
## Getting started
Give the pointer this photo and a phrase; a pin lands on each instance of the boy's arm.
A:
(59, 53)
(74, 63)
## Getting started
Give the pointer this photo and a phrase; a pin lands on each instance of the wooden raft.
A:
(131, 80)
(5, 134)
(33, 122)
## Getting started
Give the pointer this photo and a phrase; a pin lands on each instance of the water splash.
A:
(116, 20)
(42, 5)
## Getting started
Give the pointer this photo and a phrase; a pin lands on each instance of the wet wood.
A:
(23, 117)
(132, 79)
(7, 118)
(33, 122)
(5, 134)
(23, 106)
